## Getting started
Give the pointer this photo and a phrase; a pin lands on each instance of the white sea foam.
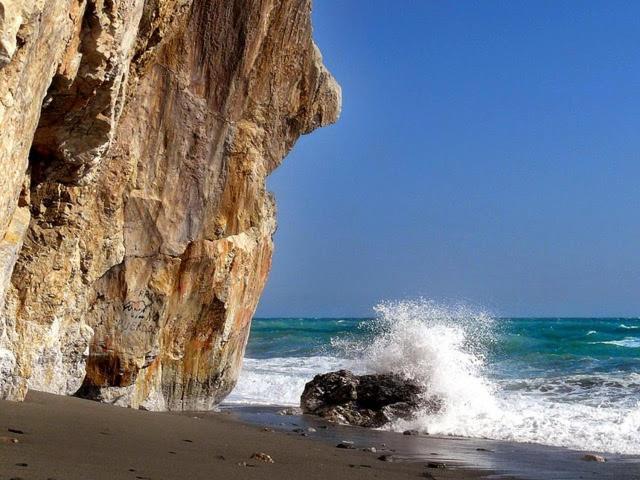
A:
(591, 332)
(628, 342)
(629, 327)
(280, 381)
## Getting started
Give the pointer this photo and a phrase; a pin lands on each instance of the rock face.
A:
(135, 227)
(365, 400)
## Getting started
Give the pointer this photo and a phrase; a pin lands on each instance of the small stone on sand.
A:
(263, 457)
(590, 457)
(436, 465)
(8, 440)
(411, 432)
(347, 445)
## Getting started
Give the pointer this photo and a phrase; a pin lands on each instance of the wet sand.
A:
(66, 438)
(497, 459)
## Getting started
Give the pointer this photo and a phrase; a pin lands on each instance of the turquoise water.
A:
(571, 382)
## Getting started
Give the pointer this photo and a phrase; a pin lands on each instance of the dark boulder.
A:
(364, 400)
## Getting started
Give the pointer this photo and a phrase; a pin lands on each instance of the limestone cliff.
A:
(135, 228)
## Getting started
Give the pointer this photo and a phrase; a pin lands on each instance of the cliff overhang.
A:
(135, 226)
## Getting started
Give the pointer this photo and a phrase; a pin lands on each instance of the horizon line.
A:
(516, 317)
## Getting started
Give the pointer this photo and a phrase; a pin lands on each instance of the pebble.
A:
(344, 444)
(369, 449)
(267, 429)
(311, 429)
(590, 457)
(8, 440)
(436, 465)
(411, 432)
(385, 458)
(263, 457)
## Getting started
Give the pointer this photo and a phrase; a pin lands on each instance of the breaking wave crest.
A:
(628, 342)
(443, 348)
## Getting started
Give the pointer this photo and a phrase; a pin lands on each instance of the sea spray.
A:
(443, 348)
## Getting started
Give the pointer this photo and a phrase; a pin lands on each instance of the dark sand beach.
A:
(70, 438)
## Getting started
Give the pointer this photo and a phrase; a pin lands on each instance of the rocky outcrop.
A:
(135, 227)
(365, 400)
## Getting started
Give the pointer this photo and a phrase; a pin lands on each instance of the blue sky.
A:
(488, 152)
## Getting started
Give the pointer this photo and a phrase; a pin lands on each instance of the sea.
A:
(567, 382)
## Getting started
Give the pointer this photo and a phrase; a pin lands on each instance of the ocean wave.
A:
(629, 327)
(446, 349)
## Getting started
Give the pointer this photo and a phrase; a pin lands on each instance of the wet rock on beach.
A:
(364, 400)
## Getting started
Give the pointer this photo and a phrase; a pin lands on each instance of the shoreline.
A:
(67, 438)
(487, 458)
